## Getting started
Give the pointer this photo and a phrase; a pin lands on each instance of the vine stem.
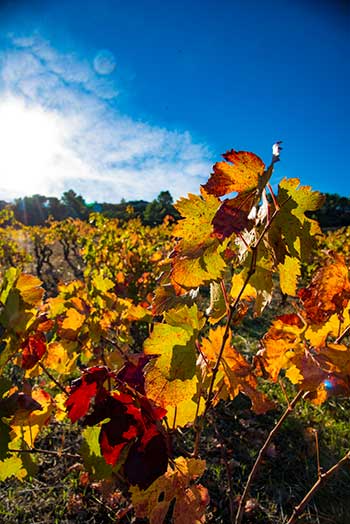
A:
(261, 454)
(323, 477)
(231, 311)
(46, 452)
(58, 384)
(251, 271)
(342, 335)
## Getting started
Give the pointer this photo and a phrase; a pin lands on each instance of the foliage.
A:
(142, 345)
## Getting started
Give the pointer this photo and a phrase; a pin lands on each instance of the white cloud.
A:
(61, 128)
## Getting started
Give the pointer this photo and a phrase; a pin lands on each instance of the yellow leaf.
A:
(59, 359)
(237, 372)
(289, 273)
(61, 411)
(73, 320)
(30, 289)
(28, 426)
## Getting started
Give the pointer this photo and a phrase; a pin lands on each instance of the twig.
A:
(342, 335)
(62, 388)
(228, 471)
(319, 469)
(261, 454)
(320, 481)
(46, 452)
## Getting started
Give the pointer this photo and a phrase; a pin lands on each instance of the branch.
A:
(46, 452)
(342, 335)
(62, 388)
(320, 481)
(261, 454)
(231, 312)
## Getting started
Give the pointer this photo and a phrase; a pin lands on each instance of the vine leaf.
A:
(177, 484)
(60, 357)
(239, 174)
(73, 320)
(33, 349)
(90, 450)
(30, 289)
(328, 292)
(171, 379)
(198, 257)
(292, 234)
(236, 373)
(128, 425)
(84, 389)
(289, 272)
(12, 467)
(27, 425)
(281, 342)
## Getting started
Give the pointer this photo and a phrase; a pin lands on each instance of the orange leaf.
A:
(329, 291)
(73, 320)
(241, 174)
(238, 375)
(175, 485)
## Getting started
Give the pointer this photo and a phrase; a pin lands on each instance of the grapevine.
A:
(138, 345)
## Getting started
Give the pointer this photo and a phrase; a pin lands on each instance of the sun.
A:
(32, 141)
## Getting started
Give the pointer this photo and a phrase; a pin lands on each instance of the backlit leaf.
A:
(33, 349)
(239, 174)
(175, 485)
(29, 425)
(12, 467)
(237, 372)
(30, 289)
(73, 320)
(329, 291)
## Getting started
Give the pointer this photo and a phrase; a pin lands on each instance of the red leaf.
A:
(229, 219)
(133, 372)
(148, 461)
(130, 418)
(78, 402)
(84, 389)
(33, 349)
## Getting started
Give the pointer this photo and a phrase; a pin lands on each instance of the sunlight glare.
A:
(32, 140)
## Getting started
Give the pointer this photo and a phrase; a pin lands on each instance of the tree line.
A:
(37, 209)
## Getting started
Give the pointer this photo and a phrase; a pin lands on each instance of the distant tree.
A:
(334, 213)
(32, 210)
(159, 208)
(75, 205)
(56, 209)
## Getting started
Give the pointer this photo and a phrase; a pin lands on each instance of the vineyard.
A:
(196, 371)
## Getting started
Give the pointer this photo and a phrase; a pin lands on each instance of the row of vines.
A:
(138, 344)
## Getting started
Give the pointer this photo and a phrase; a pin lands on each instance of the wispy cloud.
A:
(62, 128)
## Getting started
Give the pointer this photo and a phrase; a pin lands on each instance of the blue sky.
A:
(123, 99)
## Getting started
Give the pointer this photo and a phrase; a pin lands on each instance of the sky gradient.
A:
(123, 99)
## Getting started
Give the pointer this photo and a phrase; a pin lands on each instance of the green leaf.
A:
(90, 450)
(9, 280)
(12, 467)
(292, 233)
